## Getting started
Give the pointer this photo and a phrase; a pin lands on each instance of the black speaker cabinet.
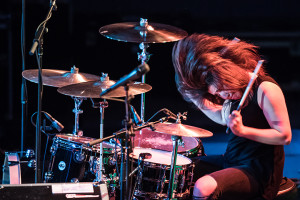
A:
(54, 191)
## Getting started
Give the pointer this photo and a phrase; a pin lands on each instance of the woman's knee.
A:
(205, 186)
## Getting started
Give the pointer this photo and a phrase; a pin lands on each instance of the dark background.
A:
(73, 39)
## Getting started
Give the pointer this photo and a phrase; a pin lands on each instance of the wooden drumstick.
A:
(249, 86)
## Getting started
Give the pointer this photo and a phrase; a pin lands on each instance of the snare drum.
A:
(153, 179)
(189, 147)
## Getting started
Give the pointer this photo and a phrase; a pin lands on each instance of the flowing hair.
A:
(201, 60)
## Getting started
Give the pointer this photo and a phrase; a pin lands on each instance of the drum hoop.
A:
(158, 150)
(193, 150)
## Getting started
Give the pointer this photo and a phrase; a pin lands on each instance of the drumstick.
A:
(249, 86)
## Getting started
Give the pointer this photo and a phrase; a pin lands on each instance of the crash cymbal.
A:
(59, 78)
(181, 130)
(92, 89)
(142, 32)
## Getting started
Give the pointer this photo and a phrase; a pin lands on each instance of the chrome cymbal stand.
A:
(144, 56)
(99, 175)
(177, 140)
(77, 112)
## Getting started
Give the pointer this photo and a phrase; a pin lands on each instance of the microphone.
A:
(136, 118)
(145, 156)
(170, 114)
(135, 74)
(54, 123)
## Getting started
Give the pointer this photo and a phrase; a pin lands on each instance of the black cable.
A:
(155, 114)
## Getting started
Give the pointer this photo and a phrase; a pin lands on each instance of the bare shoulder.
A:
(269, 90)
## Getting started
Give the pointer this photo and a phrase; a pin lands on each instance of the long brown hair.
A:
(200, 60)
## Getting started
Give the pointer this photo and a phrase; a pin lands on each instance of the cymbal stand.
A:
(125, 190)
(77, 112)
(143, 57)
(175, 140)
(102, 105)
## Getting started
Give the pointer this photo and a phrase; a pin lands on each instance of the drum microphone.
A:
(135, 74)
(136, 118)
(170, 114)
(54, 123)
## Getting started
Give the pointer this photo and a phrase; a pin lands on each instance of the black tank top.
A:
(264, 161)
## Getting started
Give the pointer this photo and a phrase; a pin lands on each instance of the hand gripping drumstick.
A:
(249, 86)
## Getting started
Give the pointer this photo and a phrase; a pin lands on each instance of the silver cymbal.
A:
(181, 130)
(59, 78)
(142, 32)
(92, 89)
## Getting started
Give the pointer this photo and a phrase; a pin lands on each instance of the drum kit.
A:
(148, 161)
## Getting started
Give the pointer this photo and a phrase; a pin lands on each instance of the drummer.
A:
(212, 72)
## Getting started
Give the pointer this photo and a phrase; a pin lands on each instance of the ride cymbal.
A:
(142, 32)
(59, 78)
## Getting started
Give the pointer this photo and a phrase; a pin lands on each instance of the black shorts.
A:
(233, 183)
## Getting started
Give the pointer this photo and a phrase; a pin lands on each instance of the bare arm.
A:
(271, 101)
(215, 112)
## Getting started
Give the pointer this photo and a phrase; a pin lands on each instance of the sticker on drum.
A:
(146, 138)
(152, 180)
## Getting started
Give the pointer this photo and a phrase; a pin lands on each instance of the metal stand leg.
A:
(143, 57)
(77, 112)
(99, 174)
(175, 140)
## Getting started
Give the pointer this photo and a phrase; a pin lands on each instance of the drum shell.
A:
(65, 167)
(153, 179)
(68, 161)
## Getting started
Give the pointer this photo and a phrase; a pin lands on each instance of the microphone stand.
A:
(37, 48)
(23, 85)
(125, 190)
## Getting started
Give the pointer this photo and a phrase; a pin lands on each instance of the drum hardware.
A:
(117, 134)
(139, 170)
(77, 112)
(79, 156)
(142, 33)
(54, 78)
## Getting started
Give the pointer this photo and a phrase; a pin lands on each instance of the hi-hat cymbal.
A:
(142, 32)
(59, 78)
(93, 89)
(181, 130)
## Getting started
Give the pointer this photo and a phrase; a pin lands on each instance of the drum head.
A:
(77, 139)
(160, 157)
(85, 140)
